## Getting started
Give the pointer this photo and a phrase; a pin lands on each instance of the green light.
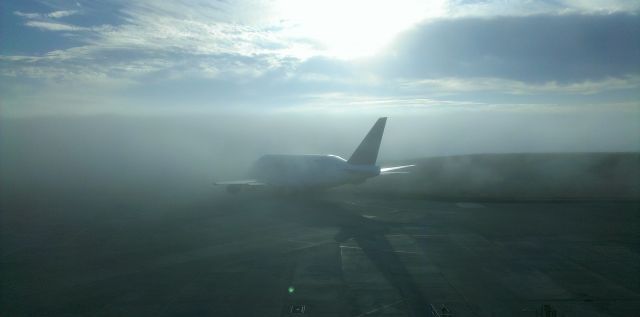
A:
(291, 289)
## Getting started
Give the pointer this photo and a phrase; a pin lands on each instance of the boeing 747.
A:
(318, 171)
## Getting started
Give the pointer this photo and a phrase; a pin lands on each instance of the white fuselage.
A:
(310, 171)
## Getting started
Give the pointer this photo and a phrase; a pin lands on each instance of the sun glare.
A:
(351, 29)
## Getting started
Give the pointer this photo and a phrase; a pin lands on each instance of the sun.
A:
(350, 29)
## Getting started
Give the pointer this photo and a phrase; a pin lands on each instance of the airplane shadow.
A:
(369, 234)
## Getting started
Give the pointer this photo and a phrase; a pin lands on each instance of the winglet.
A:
(367, 151)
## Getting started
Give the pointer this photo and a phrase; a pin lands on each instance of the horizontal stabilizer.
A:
(393, 169)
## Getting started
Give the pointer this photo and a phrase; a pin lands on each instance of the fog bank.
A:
(179, 157)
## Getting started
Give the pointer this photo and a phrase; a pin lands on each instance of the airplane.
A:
(291, 173)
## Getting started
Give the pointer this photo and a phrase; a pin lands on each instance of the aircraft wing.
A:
(393, 169)
(247, 182)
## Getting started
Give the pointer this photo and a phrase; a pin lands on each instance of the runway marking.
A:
(381, 308)
(397, 251)
(371, 206)
(310, 245)
(417, 235)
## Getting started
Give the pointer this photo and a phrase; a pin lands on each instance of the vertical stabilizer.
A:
(367, 151)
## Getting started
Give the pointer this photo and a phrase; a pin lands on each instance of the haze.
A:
(136, 108)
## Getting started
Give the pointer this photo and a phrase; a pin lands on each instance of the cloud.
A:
(28, 15)
(53, 26)
(541, 48)
(192, 42)
(53, 15)
(493, 8)
(344, 102)
(47, 21)
(186, 54)
(602, 6)
(514, 87)
(538, 49)
(61, 14)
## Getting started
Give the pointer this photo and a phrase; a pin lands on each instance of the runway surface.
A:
(335, 254)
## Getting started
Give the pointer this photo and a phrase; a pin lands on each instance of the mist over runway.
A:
(118, 215)
(183, 155)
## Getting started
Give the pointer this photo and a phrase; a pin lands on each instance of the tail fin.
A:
(367, 151)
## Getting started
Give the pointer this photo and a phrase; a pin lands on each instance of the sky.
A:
(288, 56)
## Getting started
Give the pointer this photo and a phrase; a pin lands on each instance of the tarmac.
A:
(333, 254)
